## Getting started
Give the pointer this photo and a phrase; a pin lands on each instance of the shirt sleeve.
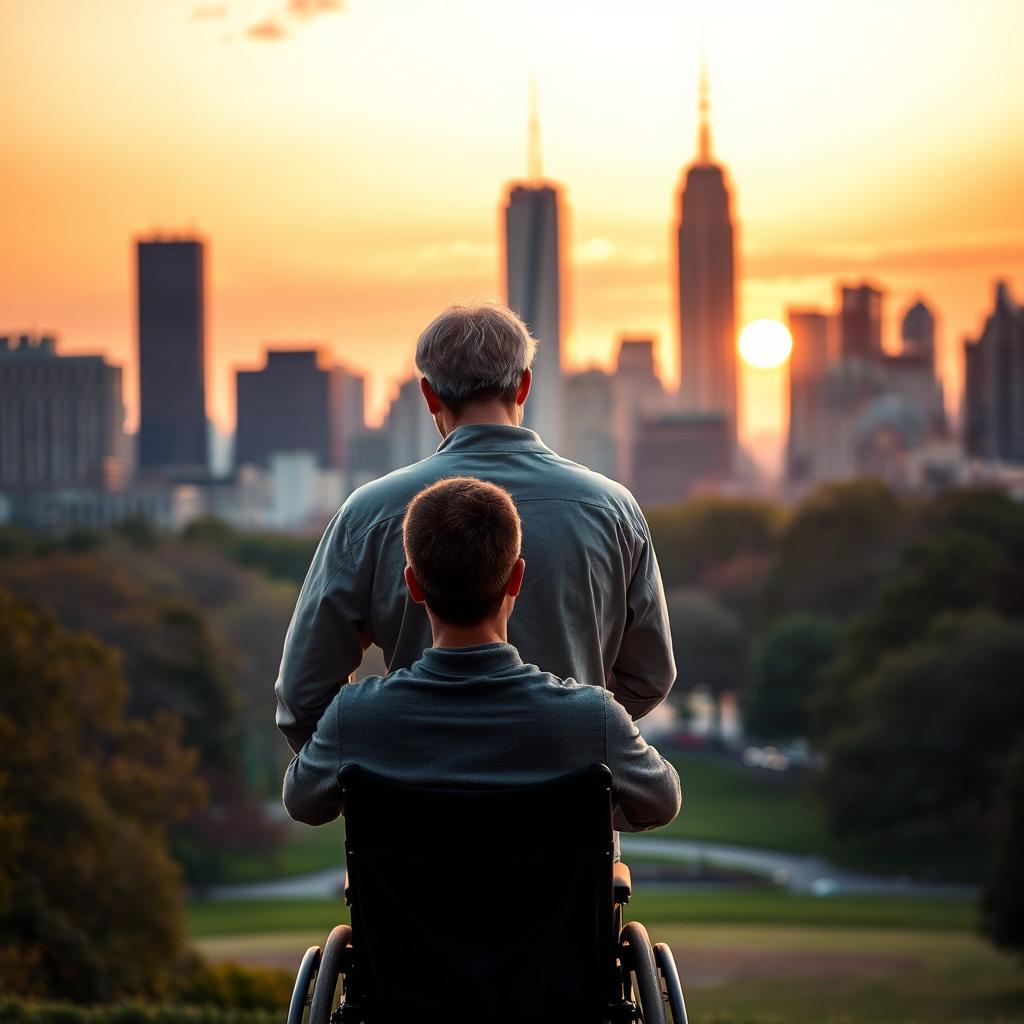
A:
(645, 785)
(644, 669)
(311, 791)
(323, 645)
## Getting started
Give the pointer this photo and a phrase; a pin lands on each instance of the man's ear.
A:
(430, 396)
(524, 386)
(415, 590)
(515, 581)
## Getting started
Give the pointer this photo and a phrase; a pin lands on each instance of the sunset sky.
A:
(346, 163)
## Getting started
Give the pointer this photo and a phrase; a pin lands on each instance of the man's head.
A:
(462, 541)
(476, 355)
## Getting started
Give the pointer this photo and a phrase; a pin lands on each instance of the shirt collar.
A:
(493, 437)
(468, 662)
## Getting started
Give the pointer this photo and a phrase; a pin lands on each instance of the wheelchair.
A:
(485, 905)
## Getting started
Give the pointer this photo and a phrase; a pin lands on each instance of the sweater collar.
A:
(493, 437)
(468, 662)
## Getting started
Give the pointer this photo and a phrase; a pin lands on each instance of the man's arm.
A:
(311, 792)
(645, 785)
(324, 643)
(644, 668)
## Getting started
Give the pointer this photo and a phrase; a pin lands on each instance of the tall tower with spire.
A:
(533, 279)
(706, 281)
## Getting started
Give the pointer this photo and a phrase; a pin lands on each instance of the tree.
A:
(1002, 901)
(90, 900)
(927, 731)
(706, 533)
(786, 666)
(709, 645)
(836, 550)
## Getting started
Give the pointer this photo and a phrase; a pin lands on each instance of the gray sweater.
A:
(478, 716)
(592, 606)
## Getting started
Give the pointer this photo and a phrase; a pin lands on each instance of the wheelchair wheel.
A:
(638, 962)
(666, 964)
(333, 965)
(303, 983)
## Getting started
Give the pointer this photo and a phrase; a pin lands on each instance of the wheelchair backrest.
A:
(488, 905)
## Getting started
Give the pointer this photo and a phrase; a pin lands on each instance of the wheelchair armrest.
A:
(622, 882)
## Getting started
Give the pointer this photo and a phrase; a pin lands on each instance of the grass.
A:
(746, 956)
(717, 906)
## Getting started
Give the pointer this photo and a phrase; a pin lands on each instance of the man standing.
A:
(594, 606)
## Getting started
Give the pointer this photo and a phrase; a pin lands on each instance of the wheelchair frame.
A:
(643, 980)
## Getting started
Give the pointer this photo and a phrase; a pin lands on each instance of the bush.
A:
(18, 1012)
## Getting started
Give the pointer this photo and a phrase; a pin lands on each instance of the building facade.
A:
(61, 418)
(994, 385)
(298, 402)
(679, 453)
(533, 291)
(860, 322)
(171, 321)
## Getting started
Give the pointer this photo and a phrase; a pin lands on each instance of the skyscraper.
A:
(994, 385)
(706, 281)
(533, 283)
(918, 332)
(807, 367)
(860, 322)
(171, 333)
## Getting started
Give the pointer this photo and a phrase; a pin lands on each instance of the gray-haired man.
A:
(594, 607)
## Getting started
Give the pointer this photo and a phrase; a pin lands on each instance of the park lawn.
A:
(746, 957)
(714, 906)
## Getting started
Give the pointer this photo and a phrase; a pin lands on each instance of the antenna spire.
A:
(704, 110)
(534, 167)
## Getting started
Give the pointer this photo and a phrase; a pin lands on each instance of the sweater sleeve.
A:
(311, 790)
(646, 787)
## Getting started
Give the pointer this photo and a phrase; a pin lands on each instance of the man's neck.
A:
(497, 413)
(447, 635)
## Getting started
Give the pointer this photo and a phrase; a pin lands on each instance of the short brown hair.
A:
(462, 538)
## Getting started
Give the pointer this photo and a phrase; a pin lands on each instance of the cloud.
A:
(209, 12)
(269, 30)
(307, 9)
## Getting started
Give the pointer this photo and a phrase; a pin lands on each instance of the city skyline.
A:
(352, 223)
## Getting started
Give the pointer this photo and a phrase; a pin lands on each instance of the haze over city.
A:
(346, 197)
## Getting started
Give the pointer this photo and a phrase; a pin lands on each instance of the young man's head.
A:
(475, 360)
(462, 550)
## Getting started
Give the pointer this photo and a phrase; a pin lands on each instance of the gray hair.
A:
(468, 350)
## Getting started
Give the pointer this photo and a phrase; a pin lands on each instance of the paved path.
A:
(790, 870)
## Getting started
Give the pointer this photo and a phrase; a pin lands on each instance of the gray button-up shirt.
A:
(592, 606)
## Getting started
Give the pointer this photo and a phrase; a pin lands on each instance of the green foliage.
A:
(280, 556)
(709, 642)
(1002, 902)
(234, 986)
(836, 550)
(927, 730)
(171, 659)
(17, 1012)
(786, 667)
(706, 534)
(91, 899)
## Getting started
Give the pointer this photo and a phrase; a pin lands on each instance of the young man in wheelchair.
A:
(469, 712)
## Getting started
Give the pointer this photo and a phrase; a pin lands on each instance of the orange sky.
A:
(347, 161)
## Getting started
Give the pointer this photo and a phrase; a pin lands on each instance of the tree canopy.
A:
(90, 899)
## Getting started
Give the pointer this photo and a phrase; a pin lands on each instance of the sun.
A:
(765, 344)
